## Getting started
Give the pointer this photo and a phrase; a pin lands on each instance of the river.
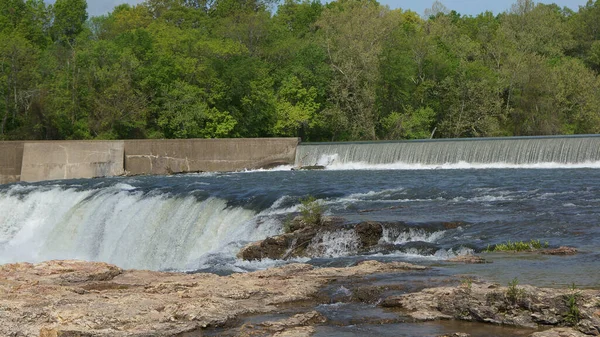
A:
(198, 222)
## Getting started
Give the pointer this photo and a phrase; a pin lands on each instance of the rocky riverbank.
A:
(523, 306)
(76, 298)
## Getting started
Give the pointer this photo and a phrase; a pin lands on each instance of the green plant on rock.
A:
(287, 223)
(514, 293)
(311, 211)
(517, 246)
(572, 315)
(467, 283)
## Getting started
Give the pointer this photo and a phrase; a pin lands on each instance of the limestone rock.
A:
(469, 259)
(76, 298)
(484, 302)
(559, 332)
(369, 233)
(560, 251)
(299, 240)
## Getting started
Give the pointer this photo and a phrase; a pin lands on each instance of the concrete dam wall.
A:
(207, 155)
(71, 160)
(49, 160)
(11, 158)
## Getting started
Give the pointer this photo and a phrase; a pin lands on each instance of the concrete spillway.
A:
(513, 150)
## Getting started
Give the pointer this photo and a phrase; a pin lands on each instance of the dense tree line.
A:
(345, 70)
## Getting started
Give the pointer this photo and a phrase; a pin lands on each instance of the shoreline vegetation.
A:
(335, 71)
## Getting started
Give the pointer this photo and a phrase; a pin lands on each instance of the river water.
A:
(198, 223)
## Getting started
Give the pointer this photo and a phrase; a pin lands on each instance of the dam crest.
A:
(511, 151)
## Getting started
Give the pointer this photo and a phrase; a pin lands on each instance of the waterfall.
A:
(122, 226)
(510, 151)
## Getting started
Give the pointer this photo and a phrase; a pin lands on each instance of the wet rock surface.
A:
(304, 239)
(559, 332)
(76, 298)
(560, 251)
(297, 325)
(523, 306)
(469, 259)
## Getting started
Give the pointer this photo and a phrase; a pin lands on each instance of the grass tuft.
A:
(572, 316)
(517, 246)
(514, 293)
(311, 211)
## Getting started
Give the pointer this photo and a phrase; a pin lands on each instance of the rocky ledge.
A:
(310, 240)
(76, 298)
(305, 240)
(523, 306)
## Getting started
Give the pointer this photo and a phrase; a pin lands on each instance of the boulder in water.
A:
(468, 259)
(563, 250)
(303, 236)
(369, 233)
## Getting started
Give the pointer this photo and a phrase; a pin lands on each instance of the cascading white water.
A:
(127, 228)
(511, 151)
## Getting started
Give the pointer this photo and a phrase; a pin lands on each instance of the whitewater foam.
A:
(122, 226)
(340, 166)
(397, 236)
(334, 244)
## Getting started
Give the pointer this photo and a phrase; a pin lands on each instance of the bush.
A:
(517, 246)
(572, 315)
(311, 211)
(514, 293)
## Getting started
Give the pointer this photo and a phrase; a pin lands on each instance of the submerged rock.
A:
(524, 306)
(563, 250)
(469, 259)
(77, 298)
(309, 168)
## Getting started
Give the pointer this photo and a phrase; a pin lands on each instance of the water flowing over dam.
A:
(573, 150)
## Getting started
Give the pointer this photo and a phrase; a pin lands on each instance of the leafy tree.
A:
(69, 19)
(18, 61)
(353, 33)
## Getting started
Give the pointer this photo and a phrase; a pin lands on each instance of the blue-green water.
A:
(199, 222)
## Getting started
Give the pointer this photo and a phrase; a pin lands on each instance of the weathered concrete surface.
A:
(71, 160)
(207, 155)
(11, 158)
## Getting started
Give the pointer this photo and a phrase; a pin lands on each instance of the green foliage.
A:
(311, 211)
(573, 315)
(287, 223)
(517, 246)
(69, 19)
(341, 70)
(413, 124)
(296, 107)
(513, 292)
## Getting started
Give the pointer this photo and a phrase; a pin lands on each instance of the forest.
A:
(335, 71)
